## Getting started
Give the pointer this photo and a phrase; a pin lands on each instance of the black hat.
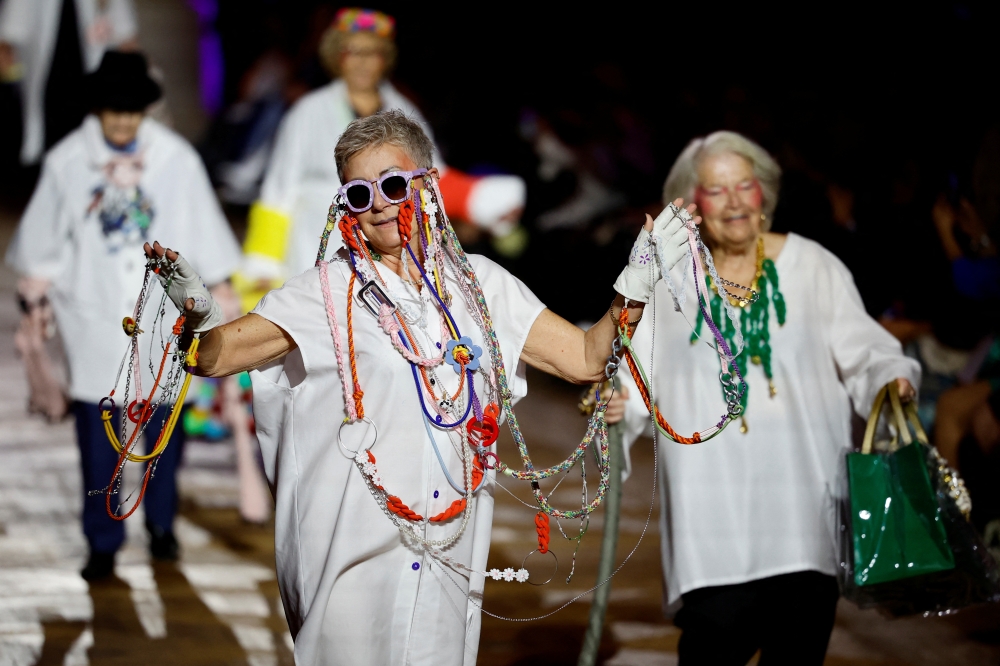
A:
(122, 83)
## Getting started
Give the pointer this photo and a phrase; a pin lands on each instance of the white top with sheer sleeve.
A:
(746, 506)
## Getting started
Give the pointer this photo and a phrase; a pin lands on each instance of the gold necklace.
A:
(743, 301)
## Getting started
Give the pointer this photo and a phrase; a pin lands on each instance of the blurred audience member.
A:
(102, 190)
(286, 222)
(746, 520)
(973, 408)
(50, 45)
(241, 141)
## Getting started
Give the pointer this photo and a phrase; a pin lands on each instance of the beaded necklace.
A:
(754, 318)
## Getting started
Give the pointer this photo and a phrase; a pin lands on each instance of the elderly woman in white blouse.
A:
(747, 519)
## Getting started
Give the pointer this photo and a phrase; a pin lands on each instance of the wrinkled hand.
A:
(906, 390)
(616, 407)
(187, 291)
(667, 234)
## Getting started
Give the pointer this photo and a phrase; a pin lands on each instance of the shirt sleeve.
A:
(43, 234)
(298, 309)
(867, 356)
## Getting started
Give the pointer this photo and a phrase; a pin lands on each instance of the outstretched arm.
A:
(559, 348)
(244, 344)
(564, 350)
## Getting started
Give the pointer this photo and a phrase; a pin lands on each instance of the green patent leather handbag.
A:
(897, 523)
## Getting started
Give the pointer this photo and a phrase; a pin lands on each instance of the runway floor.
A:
(219, 603)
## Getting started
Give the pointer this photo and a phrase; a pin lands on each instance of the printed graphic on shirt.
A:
(124, 210)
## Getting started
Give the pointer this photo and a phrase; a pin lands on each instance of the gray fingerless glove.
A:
(186, 283)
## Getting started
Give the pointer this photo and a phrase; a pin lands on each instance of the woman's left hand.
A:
(906, 390)
(616, 407)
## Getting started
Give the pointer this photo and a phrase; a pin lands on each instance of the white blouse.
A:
(96, 265)
(353, 592)
(746, 506)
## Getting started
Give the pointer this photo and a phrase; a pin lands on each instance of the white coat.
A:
(353, 593)
(96, 269)
(742, 507)
(32, 26)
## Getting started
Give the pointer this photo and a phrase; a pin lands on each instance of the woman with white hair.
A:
(747, 519)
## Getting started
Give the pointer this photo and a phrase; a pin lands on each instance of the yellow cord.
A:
(168, 430)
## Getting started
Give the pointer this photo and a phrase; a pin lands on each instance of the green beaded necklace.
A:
(754, 318)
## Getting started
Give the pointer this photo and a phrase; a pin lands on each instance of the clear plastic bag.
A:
(973, 579)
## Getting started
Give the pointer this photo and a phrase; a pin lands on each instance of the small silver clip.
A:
(373, 298)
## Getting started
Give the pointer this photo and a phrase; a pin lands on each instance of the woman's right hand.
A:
(187, 290)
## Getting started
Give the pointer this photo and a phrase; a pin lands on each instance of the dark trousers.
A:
(789, 618)
(98, 460)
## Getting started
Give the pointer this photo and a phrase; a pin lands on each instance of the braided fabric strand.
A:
(596, 427)
(338, 344)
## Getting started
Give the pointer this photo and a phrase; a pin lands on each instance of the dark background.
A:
(895, 103)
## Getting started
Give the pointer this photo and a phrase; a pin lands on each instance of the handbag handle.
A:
(892, 391)
(914, 418)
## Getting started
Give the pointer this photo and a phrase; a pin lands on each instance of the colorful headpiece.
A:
(356, 19)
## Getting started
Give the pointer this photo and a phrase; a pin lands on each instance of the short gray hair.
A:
(391, 127)
(683, 178)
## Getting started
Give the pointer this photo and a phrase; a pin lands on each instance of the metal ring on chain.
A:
(529, 573)
(486, 456)
(100, 407)
(340, 439)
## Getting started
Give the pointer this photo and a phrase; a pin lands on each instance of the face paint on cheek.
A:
(706, 205)
(755, 197)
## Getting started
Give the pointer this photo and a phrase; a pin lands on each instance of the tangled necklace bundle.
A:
(462, 414)
(139, 408)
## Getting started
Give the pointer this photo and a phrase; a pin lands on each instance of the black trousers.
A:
(789, 618)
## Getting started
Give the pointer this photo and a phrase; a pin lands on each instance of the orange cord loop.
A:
(396, 505)
(405, 220)
(644, 390)
(346, 226)
(358, 393)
